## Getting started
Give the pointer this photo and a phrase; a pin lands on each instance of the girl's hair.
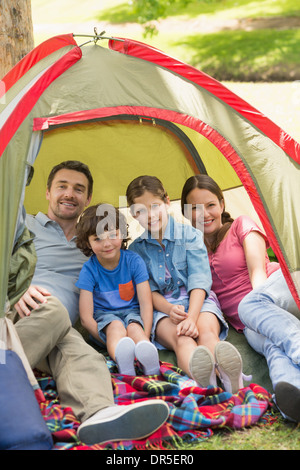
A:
(206, 182)
(96, 220)
(141, 184)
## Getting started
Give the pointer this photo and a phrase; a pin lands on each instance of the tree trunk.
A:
(16, 32)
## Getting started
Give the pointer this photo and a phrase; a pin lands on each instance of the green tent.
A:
(130, 109)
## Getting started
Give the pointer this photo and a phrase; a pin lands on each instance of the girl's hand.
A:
(177, 313)
(188, 328)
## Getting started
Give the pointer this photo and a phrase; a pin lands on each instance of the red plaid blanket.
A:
(194, 412)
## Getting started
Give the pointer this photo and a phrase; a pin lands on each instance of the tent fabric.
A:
(94, 93)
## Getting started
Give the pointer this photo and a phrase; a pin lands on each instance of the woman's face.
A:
(205, 210)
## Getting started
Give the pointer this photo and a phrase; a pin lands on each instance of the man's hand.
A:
(31, 300)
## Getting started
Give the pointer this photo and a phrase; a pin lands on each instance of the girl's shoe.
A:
(229, 365)
(125, 355)
(202, 367)
(147, 355)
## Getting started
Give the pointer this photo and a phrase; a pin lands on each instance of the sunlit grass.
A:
(243, 55)
(228, 9)
(68, 11)
(225, 9)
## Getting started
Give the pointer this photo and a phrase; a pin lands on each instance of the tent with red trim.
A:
(130, 109)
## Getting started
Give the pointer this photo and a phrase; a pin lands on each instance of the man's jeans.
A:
(272, 328)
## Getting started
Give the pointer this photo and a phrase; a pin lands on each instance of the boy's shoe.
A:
(125, 354)
(230, 366)
(287, 399)
(124, 422)
(146, 353)
(202, 367)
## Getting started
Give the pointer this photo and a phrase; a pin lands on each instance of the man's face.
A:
(68, 195)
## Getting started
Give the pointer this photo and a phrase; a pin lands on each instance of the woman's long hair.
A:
(206, 182)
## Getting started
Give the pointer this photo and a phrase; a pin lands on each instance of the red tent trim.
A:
(29, 100)
(32, 58)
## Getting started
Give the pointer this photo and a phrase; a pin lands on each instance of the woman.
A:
(253, 294)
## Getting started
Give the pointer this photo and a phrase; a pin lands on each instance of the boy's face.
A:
(107, 247)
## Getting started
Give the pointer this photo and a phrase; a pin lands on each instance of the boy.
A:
(115, 302)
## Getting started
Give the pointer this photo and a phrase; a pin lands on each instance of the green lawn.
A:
(245, 55)
(120, 11)
(276, 436)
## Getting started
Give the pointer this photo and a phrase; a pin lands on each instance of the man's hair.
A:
(72, 165)
(96, 220)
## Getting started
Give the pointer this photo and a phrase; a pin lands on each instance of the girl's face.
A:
(210, 211)
(152, 213)
(107, 248)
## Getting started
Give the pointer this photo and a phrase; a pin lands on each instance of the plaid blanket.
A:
(194, 412)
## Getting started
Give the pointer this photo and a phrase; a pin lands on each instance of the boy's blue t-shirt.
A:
(114, 289)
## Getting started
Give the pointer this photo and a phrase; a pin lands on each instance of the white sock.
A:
(125, 354)
(146, 353)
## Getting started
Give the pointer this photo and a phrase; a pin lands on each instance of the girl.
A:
(253, 294)
(186, 319)
(115, 302)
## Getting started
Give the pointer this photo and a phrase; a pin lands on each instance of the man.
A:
(45, 330)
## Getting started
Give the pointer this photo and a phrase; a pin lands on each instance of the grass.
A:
(245, 55)
(276, 436)
(225, 9)
(69, 11)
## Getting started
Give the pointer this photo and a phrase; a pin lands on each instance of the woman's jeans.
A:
(272, 328)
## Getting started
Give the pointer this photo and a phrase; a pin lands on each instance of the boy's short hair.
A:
(96, 220)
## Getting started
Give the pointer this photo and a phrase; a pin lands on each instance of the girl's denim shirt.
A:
(184, 254)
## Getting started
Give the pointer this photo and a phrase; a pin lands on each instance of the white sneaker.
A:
(125, 354)
(146, 353)
(202, 367)
(230, 366)
(125, 422)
